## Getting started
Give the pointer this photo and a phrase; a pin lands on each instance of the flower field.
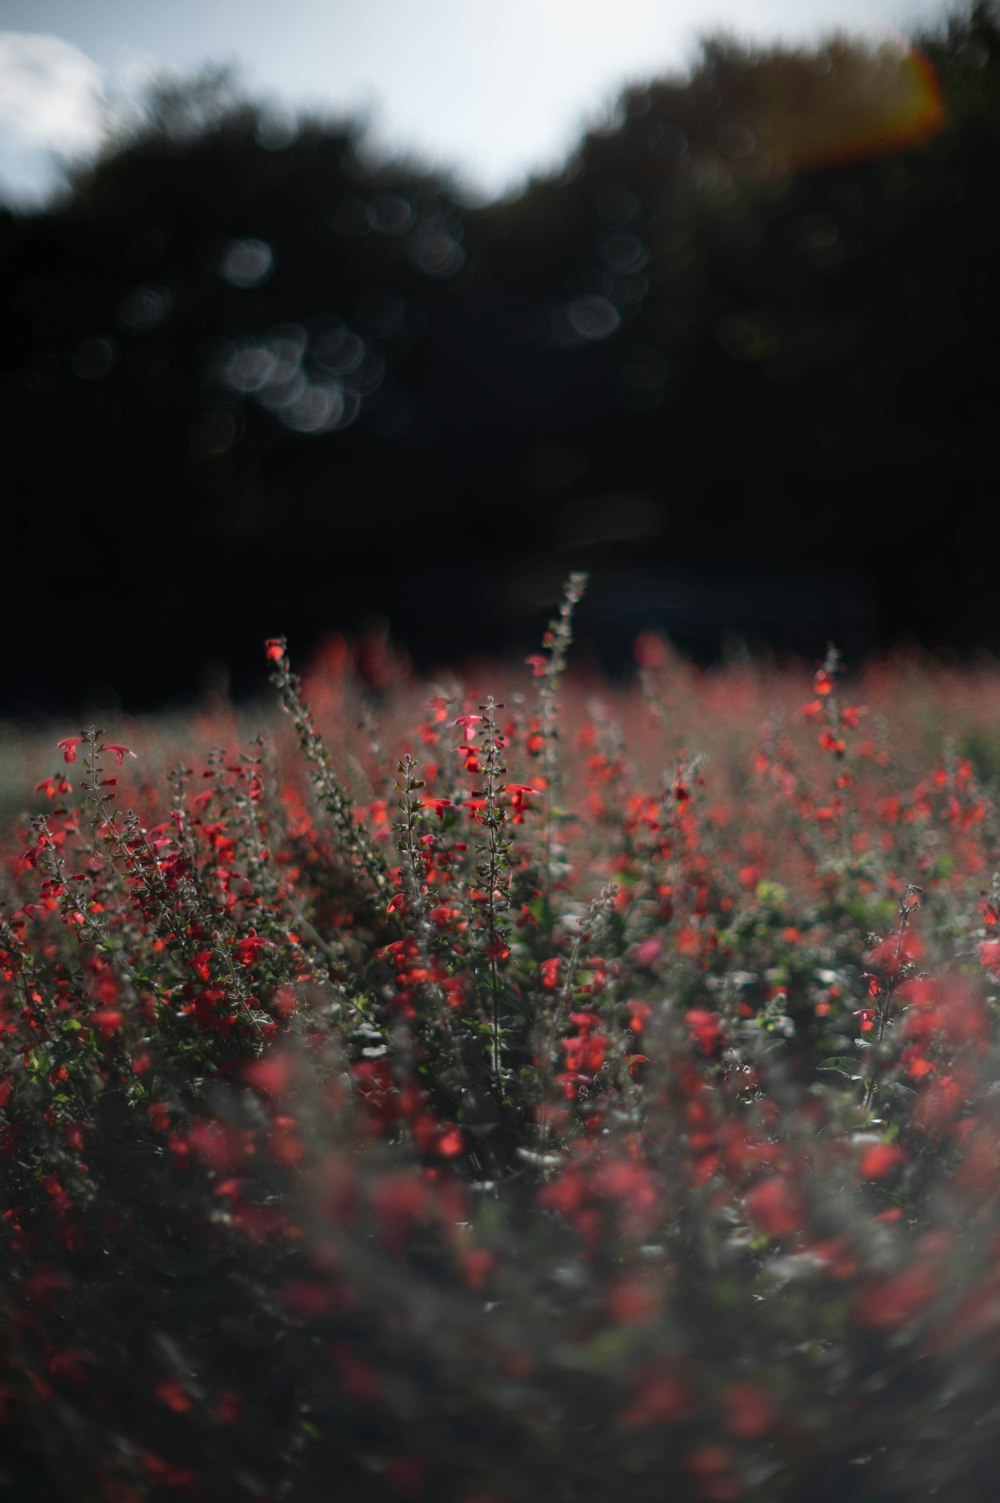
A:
(528, 1088)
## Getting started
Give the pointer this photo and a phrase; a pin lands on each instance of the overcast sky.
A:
(491, 88)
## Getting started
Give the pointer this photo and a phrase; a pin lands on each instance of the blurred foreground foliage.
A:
(439, 1097)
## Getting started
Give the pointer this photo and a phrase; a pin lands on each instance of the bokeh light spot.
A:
(246, 263)
(594, 317)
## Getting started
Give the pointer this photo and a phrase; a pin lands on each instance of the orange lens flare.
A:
(898, 104)
(847, 103)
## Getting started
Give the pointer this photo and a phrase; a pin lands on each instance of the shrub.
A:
(607, 1098)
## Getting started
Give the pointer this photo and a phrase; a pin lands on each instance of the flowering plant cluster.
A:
(489, 1096)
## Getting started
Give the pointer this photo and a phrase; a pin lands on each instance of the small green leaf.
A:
(842, 1064)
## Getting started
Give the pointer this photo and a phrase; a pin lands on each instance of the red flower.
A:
(272, 1075)
(439, 805)
(661, 1394)
(51, 786)
(898, 1299)
(274, 649)
(31, 856)
(585, 1054)
(773, 1207)
(201, 964)
(227, 1408)
(648, 952)
(171, 1393)
(880, 1160)
(749, 1411)
(548, 971)
(651, 650)
(477, 1263)
(632, 1301)
(467, 722)
(709, 1466)
(119, 751)
(639, 1015)
(108, 1020)
(705, 1026)
(894, 952)
(518, 792)
(247, 949)
(989, 954)
(68, 747)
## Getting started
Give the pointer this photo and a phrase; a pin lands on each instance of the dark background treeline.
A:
(740, 359)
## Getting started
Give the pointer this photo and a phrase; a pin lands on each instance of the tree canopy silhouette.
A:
(256, 378)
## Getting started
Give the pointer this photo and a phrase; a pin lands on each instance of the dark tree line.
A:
(740, 358)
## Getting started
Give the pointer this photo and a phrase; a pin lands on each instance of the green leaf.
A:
(842, 1064)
